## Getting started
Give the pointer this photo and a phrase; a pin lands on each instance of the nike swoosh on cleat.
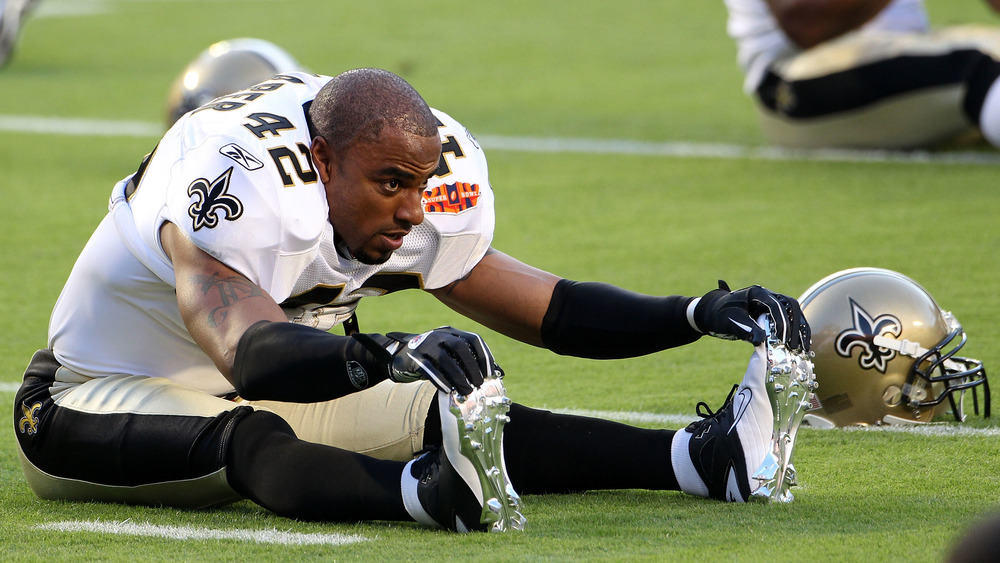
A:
(746, 328)
(742, 401)
(732, 486)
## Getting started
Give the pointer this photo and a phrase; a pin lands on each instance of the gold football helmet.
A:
(225, 67)
(885, 352)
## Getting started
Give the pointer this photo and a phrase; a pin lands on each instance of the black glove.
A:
(449, 358)
(731, 315)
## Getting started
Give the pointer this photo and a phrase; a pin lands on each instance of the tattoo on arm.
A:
(229, 290)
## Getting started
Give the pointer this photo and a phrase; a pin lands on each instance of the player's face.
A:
(375, 190)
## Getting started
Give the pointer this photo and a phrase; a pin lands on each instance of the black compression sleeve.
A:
(601, 321)
(289, 362)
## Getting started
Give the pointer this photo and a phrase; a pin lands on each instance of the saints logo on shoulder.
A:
(212, 199)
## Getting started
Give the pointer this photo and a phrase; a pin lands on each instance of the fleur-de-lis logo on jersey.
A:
(212, 198)
(862, 337)
(29, 422)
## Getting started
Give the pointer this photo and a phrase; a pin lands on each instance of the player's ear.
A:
(321, 157)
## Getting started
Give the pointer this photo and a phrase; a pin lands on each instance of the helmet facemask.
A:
(936, 375)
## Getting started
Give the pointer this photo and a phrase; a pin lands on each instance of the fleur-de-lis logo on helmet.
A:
(212, 198)
(862, 336)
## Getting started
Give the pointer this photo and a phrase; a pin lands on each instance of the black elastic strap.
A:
(289, 362)
(351, 325)
(601, 321)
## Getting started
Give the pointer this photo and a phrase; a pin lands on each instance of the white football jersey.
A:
(237, 178)
(760, 41)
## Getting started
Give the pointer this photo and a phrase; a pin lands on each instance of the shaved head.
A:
(355, 106)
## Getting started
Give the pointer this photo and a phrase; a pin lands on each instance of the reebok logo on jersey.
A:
(241, 156)
(740, 403)
(451, 198)
(212, 198)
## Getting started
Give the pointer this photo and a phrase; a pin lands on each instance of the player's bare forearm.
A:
(504, 294)
(217, 303)
(228, 291)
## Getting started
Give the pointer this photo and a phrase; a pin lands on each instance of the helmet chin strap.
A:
(915, 350)
(904, 347)
(911, 349)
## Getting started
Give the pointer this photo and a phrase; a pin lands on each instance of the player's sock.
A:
(558, 453)
(308, 481)
(687, 475)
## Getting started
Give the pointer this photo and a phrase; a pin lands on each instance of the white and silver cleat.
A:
(481, 417)
(790, 384)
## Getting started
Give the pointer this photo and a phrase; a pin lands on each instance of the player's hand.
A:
(730, 315)
(448, 357)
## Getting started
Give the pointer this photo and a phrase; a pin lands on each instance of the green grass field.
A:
(656, 72)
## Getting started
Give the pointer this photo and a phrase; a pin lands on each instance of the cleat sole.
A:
(482, 416)
(790, 383)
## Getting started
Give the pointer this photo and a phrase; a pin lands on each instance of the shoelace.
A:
(705, 412)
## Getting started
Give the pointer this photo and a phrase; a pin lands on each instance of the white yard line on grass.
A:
(69, 126)
(728, 151)
(681, 420)
(76, 8)
(628, 417)
(114, 128)
(192, 533)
